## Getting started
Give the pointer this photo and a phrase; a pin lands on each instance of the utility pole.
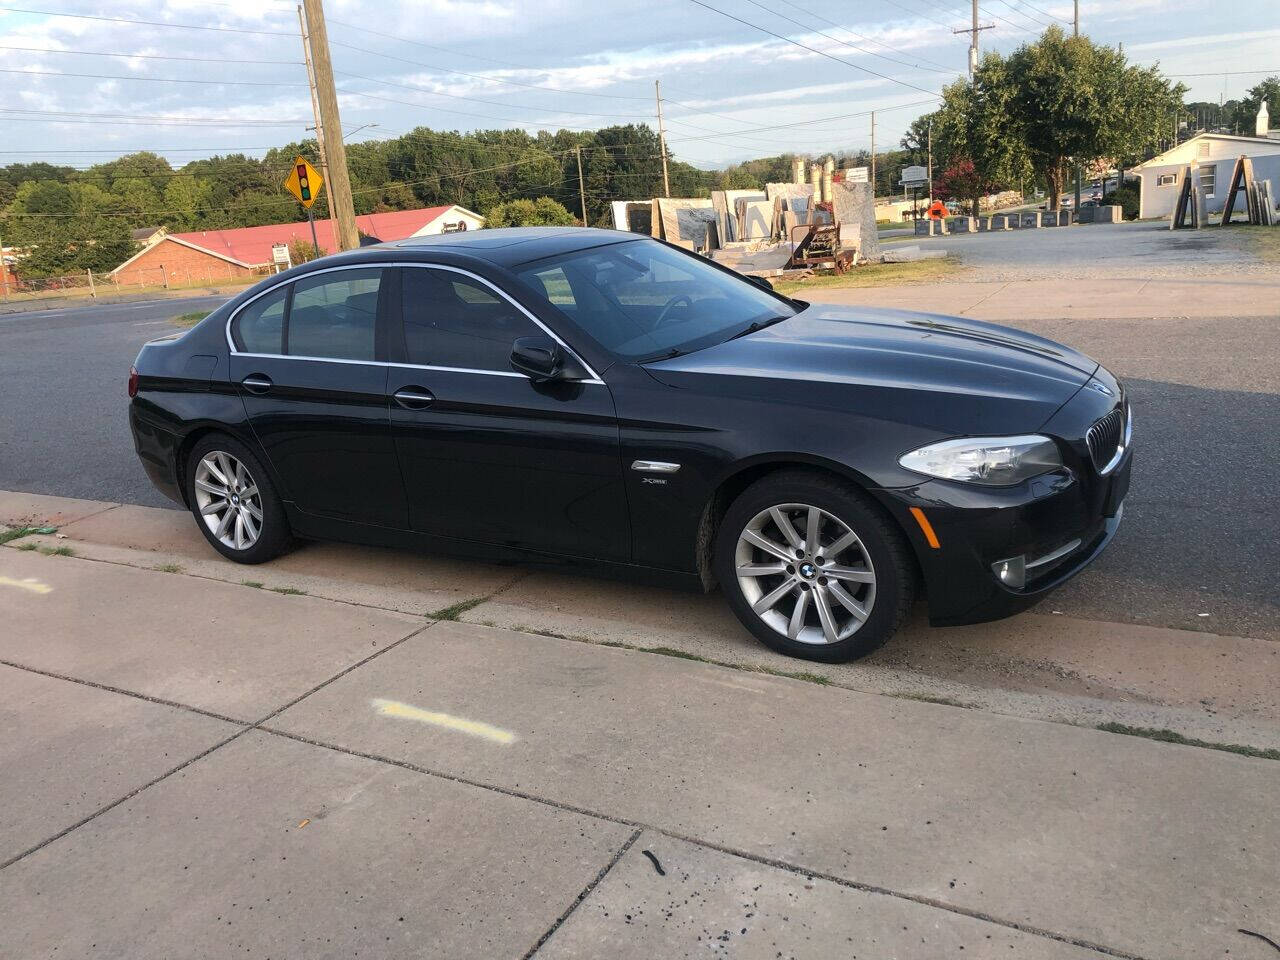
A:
(582, 189)
(4, 273)
(973, 32)
(931, 162)
(339, 181)
(662, 140)
(1075, 32)
(315, 112)
(873, 158)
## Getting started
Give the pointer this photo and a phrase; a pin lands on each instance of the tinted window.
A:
(643, 299)
(259, 327)
(335, 315)
(452, 321)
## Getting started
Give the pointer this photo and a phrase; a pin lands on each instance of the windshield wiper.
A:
(756, 325)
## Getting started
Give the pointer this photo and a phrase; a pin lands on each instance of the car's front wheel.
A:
(812, 568)
(234, 503)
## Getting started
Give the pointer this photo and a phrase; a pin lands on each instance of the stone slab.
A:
(1150, 849)
(37, 510)
(68, 750)
(213, 862)
(709, 903)
(233, 650)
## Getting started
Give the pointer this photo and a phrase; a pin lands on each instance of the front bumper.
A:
(1053, 526)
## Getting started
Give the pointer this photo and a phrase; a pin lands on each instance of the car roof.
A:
(511, 246)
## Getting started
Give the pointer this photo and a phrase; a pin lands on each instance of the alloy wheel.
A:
(228, 500)
(805, 573)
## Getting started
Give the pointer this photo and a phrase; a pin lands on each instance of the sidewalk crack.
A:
(586, 892)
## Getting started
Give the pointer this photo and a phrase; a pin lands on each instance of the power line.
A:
(149, 23)
(463, 113)
(878, 43)
(472, 76)
(103, 76)
(851, 46)
(154, 56)
(804, 46)
(496, 103)
(1022, 13)
(1225, 73)
(50, 116)
(800, 123)
(504, 63)
(1044, 13)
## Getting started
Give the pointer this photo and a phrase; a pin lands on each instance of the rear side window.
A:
(335, 316)
(259, 327)
(453, 321)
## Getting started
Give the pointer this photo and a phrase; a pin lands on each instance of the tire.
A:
(211, 460)
(766, 602)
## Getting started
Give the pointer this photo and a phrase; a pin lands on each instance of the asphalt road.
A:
(63, 426)
(1198, 548)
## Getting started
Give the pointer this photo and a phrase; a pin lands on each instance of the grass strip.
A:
(1171, 736)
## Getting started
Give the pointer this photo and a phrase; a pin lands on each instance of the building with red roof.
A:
(175, 259)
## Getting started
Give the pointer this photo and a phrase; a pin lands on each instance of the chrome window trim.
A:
(593, 378)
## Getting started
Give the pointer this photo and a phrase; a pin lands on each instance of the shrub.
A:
(543, 212)
(1126, 198)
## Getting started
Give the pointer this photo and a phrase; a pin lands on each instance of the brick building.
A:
(209, 256)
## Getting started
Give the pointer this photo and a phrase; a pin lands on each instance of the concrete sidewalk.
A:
(201, 768)
(1038, 665)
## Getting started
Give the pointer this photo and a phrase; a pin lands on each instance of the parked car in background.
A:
(608, 400)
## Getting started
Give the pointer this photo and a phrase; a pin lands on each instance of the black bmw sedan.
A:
(607, 399)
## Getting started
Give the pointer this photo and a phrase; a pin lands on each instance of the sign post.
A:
(304, 182)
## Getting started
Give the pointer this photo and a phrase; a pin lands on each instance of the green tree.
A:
(971, 142)
(1073, 101)
(542, 212)
(1246, 111)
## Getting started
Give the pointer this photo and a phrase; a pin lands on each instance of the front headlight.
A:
(992, 461)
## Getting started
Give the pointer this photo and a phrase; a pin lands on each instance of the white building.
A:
(1214, 156)
(450, 220)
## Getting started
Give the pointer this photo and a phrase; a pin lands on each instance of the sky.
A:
(83, 89)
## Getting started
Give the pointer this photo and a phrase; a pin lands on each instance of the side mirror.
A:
(761, 282)
(536, 357)
(543, 360)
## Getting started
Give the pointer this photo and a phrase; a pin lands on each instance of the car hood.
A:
(955, 362)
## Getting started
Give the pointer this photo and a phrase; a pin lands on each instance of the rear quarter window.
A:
(259, 327)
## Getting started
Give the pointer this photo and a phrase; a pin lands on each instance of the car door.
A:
(309, 361)
(486, 453)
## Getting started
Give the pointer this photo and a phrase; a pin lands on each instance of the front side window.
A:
(334, 315)
(641, 299)
(451, 320)
(259, 327)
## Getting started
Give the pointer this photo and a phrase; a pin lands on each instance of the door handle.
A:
(256, 383)
(414, 398)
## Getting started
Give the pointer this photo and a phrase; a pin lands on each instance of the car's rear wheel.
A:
(812, 568)
(233, 501)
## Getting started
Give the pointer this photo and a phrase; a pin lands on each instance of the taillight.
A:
(133, 382)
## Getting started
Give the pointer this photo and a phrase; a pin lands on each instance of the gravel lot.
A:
(1104, 250)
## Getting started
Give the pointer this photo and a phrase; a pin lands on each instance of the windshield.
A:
(643, 300)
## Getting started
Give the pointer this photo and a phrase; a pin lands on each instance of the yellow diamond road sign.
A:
(304, 182)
